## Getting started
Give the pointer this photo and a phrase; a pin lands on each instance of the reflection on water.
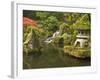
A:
(52, 56)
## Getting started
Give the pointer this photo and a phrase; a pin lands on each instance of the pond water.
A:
(52, 57)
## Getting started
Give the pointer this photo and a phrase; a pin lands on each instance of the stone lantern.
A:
(82, 38)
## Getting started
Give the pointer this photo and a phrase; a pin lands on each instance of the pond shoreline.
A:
(53, 57)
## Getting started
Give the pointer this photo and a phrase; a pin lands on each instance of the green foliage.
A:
(64, 28)
(53, 21)
(27, 34)
(56, 41)
(67, 39)
(31, 38)
(50, 22)
(73, 36)
(83, 22)
(42, 15)
(71, 18)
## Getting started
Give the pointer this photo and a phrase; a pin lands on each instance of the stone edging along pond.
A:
(77, 52)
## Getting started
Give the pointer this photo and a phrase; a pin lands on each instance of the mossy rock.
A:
(68, 49)
(81, 53)
(77, 52)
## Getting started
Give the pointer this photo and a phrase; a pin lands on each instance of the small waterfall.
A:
(50, 39)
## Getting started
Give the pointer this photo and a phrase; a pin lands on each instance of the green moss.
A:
(77, 52)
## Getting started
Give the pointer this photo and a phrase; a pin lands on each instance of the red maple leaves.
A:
(29, 22)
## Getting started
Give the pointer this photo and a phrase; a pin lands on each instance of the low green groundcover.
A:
(77, 52)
